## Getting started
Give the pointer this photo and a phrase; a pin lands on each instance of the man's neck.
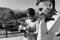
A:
(50, 14)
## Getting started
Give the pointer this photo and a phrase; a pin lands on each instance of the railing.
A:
(11, 34)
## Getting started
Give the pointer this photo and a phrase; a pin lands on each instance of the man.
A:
(49, 28)
(30, 25)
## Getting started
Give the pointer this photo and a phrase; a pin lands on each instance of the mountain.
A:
(9, 15)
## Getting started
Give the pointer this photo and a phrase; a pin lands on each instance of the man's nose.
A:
(40, 9)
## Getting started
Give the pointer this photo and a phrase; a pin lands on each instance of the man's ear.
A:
(50, 6)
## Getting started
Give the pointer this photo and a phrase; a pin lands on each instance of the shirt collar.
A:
(56, 16)
(53, 18)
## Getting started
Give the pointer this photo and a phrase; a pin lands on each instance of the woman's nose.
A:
(40, 9)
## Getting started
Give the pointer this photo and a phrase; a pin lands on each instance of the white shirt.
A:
(39, 32)
(30, 23)
(51, 23)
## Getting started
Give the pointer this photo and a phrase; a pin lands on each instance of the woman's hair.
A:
(31, 12)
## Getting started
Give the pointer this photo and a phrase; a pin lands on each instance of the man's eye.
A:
(40, 9)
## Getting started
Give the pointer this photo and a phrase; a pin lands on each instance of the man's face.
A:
(44, 8)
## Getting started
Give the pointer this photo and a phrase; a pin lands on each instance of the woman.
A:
(31, 21)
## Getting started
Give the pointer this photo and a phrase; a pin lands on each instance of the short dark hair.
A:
(31, 11)
(52, 1)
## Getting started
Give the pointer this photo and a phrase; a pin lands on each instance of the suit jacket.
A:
(50, 35)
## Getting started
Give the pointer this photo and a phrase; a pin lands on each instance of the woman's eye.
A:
(40, 9)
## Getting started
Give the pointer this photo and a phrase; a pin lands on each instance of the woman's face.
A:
(44, 7)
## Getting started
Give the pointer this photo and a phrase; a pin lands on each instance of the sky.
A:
(23, 4)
